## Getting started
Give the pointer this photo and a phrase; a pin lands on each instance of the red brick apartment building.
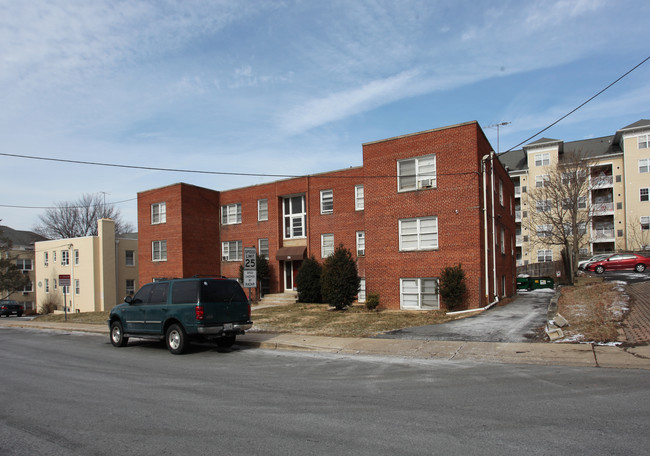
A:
(420, 202)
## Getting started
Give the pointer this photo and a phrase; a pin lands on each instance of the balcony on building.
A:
(601, 177)
(517, 191)
(517, 215)
(602, 202)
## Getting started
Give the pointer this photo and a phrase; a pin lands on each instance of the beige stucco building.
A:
(102, 270)
(618, 168)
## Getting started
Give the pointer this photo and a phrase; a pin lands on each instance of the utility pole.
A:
(500, 124)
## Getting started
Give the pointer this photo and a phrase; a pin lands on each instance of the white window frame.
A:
(295, 223)
(76, 256)
(326, 245)
(359, 198)
(542, 180)
(644, 165)
(644, 194)
(405, 290)
(159, 250)
(25, 264)
(77, 287)
(545, 254)
(65, 258)
(645, 222)
(262, 210)
(54, 256)
(423, 175)
(327, 201)
(361, 243)
(158, 213)
(643, 141)
(47, 285)
(126, 258)
(231, 214)
(46, 259)
(231, 250)
(418, 234)
(263, 248)
(544, 231)
(501, 192)
(543, 205)
(543, 159)
(503, 241)
(130, 287)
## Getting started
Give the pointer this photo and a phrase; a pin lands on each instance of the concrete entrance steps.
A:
(278, 299)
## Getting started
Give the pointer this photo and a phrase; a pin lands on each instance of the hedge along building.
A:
(420, 202)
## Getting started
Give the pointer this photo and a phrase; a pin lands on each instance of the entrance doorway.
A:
(290, 272)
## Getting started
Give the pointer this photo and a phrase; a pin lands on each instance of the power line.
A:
(66, 207)
(580, 106)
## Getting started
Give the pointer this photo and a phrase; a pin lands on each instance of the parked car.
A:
(620, 261)
(10, 307)
(583, 264)
(182, 310)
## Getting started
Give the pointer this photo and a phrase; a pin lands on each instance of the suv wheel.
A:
(639, 267)
(117, 335)
(599, 269)
(176, 339)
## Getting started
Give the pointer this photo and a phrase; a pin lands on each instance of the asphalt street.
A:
(516, 321)
(75, 394)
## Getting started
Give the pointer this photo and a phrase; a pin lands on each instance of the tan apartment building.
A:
(19, 247)
(618, 174)
(100, 270)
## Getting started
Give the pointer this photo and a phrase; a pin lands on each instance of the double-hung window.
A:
(77, 286)
(644, 194)
(231, 251)
(543, 205)
(326, 245)
(418, 234)
(76, 257)
(326, 201)
(645, 223)
(543, 159)
(130, 258)
(361, 295)
(419, 293)
(361, 243)
(262, 210)
(295, 215)
(359, 202)
(130, 287)
(544, 255)
(159, 251)
(416, 173)
(24, 264)
(65, 258)
(644, 141)
(231, 214)
(46, 259)
(644, 165)
(158, 213)
(541, 180)
(263, 245)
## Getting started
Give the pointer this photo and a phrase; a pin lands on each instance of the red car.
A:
(620, 261)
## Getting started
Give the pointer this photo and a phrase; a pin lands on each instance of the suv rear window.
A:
(221, 291)
(185, 292)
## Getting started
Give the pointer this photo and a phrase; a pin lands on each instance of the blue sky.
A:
(290, 87)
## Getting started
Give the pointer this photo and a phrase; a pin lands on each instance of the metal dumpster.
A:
(536, 283)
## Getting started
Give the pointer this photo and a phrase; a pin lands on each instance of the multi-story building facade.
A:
(420, 202)
(101, 270)
(618, 171)
(19, 247)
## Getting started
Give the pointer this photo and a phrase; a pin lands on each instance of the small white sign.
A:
(250, 278)
(250, 258)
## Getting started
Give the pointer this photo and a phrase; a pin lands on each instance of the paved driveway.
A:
(513, 322)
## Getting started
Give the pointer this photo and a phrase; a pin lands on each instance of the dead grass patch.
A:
(356, 321)
(594, 312)
(92, 318)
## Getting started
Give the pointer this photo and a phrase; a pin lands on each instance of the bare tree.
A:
(562, 212)
(639, 233)
(79, 218)
(12, 278)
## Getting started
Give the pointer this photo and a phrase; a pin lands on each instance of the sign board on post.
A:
(64, 280)
(250, 267)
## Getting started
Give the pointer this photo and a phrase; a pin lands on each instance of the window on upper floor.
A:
(263, 245)
(644, 165)
(24, 264)
(158, 213)
(77, 286)
(47, 285)
(544, 255)
(644, 141)
(262, 210)
(46, 259)
(644, 195)
(418, 234)
(76, 257)
(543, 205)
(54, 256)
(159, 251)
(326, 245)
(65, 258)
(361, 243)
(645, 223)
(416, 173)
(503, 241)
(543, 159)
(231, 214)
(542, 180)
(359, 202)
(326, 201)
(294, 215)
(130, 287)
(28, 288)
(501, 192)
(231, 251)
(130, 258)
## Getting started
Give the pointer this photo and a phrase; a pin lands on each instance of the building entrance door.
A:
(288, 276)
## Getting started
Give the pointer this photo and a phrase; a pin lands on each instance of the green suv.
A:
(181, 310)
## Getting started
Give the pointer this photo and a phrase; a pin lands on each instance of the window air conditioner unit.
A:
(426, 183)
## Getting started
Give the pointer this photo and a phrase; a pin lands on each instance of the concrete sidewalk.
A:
(491, 352)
